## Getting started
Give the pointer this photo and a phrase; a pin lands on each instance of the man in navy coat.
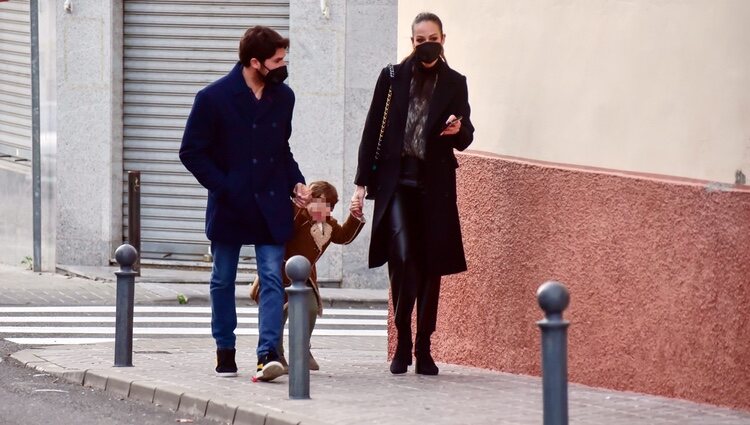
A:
(236, 143)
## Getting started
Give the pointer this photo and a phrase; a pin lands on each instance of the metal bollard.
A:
(126, 256)
(298, 270)
(134, 216)
(553, 298)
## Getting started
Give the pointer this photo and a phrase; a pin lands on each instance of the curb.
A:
(172, 397)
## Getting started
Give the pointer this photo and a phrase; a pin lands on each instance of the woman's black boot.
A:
(425, 364)
(401, 358)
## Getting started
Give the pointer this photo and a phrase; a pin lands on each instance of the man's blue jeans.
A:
(270, 259)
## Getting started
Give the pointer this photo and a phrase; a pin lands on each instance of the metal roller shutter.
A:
(15, 81)
(171, 50)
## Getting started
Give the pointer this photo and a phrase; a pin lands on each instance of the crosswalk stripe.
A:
(59, 341)
(177, 319)
(172, 309)
(171, 331)
(56, 325)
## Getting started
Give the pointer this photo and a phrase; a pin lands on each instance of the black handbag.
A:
(370, 194)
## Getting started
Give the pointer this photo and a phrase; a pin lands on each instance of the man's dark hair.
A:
(260, 42)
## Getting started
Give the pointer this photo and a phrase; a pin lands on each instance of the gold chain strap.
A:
(385, 117)
(385, 120)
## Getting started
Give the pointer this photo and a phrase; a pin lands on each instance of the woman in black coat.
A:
(412, 177)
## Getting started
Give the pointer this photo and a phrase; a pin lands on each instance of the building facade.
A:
(127, 72)
(611, 147)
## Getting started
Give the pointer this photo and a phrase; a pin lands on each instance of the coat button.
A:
(255, 161)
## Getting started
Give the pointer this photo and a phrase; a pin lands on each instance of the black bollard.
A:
(298, 270)
(134, 216)
(553, 298)
(126, 256)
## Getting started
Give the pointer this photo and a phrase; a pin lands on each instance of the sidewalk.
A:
(353, 385)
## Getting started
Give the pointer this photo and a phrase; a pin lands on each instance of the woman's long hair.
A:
(422, 17)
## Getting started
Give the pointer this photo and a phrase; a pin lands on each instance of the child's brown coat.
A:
(311, 241)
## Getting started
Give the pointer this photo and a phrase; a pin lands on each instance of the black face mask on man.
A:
(276, 75)
(428, 52)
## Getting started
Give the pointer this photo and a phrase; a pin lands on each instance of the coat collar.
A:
(441, 97)
(237, 80)
(321, 234)
(243, 96)
(401, 81)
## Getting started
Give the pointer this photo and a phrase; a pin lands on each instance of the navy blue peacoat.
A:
(238, 148)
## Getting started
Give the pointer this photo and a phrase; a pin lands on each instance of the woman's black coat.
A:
(442, 246)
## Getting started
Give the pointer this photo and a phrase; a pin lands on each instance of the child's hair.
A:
(323, 189)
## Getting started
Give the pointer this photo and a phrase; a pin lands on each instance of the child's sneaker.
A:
(313, 364)
(225, 365)
(269, 367)
(284, 365)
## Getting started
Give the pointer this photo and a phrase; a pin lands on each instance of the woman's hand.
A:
(453, 128)
(358, 201)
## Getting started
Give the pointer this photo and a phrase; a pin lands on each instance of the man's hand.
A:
(301, 195)
(358, 202)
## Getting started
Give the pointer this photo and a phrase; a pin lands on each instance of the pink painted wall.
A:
(658, 270)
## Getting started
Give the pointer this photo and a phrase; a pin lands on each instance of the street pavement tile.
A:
(74, 376)
(119, 386)
(250, 416)
(26, 357)
(193, 404)
(142, 391)
(168, 396)
(221, 410)
(94, 379)
(275, 418)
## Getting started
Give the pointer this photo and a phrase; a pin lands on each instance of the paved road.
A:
(28, 397)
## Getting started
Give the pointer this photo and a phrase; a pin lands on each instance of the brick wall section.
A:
(659, 272)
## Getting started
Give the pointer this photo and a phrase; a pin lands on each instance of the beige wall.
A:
(658, 86)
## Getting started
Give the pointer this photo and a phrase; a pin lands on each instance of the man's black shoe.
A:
(225, 365)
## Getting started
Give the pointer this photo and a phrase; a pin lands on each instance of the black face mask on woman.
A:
(429, 52)
(276, 75)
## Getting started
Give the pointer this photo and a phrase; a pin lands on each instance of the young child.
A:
(314, 230)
